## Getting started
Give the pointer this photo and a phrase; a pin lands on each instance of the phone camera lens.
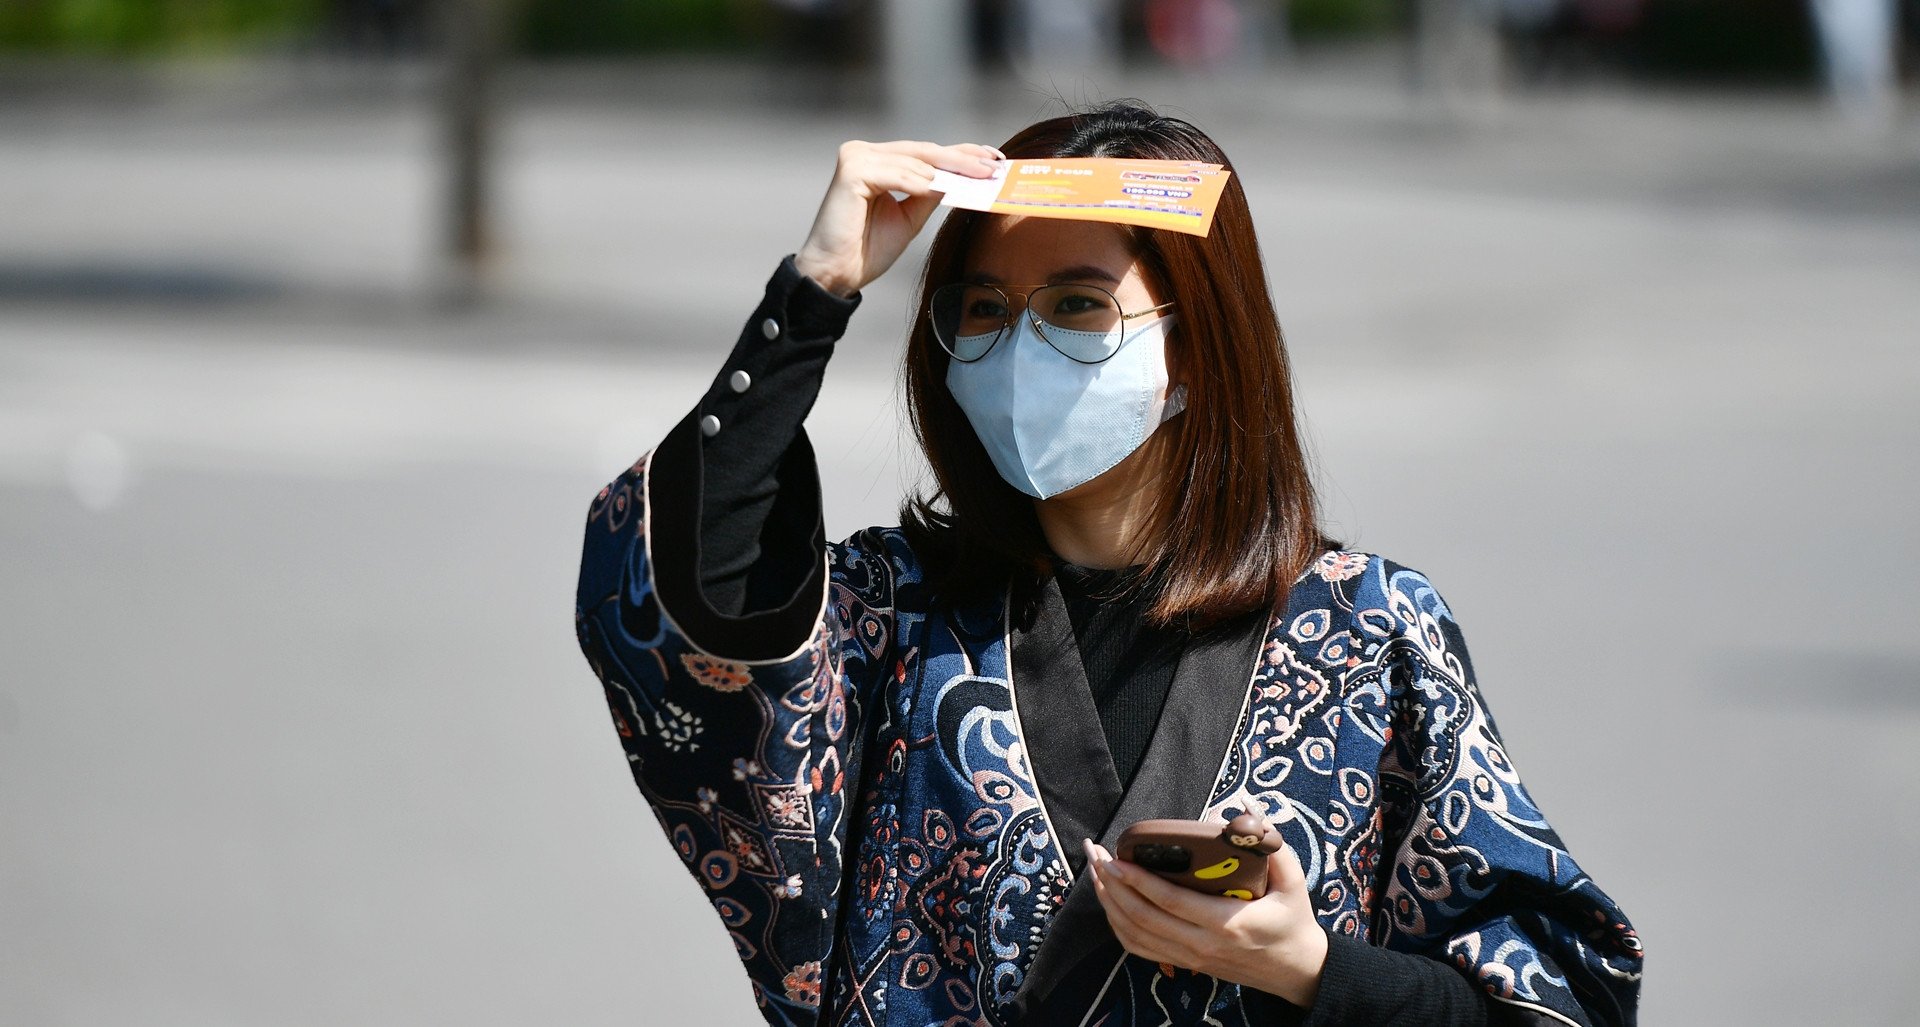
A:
(1170, 858)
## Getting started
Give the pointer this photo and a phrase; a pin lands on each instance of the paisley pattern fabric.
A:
(864, 819)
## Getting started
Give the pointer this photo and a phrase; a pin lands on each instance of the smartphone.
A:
(1227, 859)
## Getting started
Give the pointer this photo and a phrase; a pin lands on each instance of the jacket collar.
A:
(1081, 794)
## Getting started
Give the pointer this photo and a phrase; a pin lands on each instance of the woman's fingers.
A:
(972, 159)
(1135, 937)
(860, 230)
(918, 208)
(1182, 903)
(914, 178)
(900, 173)
(1284, 874)
(1149, 917)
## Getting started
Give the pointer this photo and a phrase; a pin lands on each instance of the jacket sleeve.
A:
(743, 726)
(1472, 873)
(1364, 985)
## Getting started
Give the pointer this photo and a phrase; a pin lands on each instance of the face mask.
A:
(1050, 422)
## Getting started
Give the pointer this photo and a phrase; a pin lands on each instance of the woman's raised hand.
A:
(861, 229)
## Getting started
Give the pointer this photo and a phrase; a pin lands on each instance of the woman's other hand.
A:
(1272, 943)
(861, 229)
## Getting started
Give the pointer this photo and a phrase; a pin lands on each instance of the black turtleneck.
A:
(1129, 663)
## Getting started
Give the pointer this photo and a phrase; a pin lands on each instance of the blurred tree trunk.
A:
(475, 32)
(1457, 56)
(927, 61)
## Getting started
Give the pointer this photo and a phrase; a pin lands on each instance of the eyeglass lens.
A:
(969, 319)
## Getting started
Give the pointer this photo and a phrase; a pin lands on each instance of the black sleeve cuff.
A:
(1363, 983)
(673, 494)
(812, 311)
(783, 350)
(737, 528)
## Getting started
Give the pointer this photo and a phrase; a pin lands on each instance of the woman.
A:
(897, 763)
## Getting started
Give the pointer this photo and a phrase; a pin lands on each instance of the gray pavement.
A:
(292, 725)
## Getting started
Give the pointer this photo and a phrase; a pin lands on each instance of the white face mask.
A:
(1050, 422)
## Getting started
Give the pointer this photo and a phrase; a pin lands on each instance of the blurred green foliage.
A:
(1308, 18)
(122, 27)
(1740, 39)
(636, 26)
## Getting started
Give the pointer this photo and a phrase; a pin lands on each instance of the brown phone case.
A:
(1219, 859)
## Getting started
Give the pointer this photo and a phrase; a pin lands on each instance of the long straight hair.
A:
(1236, 518)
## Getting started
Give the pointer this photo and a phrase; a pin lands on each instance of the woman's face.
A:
(1019, 254)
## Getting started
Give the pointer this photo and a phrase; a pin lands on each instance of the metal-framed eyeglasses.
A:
(1078, 320)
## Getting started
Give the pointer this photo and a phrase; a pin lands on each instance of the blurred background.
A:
(322, 321)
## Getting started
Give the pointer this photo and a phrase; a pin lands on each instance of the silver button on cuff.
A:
(709, 426)
(770, 328)
(740, 380)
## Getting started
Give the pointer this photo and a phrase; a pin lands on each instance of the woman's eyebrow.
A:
(1077, 273)
(1083, 273)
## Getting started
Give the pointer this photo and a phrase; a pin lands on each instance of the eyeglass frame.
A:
(1026, 296)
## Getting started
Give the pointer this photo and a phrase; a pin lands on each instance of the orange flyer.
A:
(1172, 194)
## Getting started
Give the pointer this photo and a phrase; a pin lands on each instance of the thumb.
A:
(1283, 872)
(918, 208)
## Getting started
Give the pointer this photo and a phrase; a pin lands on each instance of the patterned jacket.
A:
(882, 817)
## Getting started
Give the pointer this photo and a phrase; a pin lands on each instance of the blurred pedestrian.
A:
(1858, 45)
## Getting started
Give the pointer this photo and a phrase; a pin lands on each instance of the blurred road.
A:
(293, 729)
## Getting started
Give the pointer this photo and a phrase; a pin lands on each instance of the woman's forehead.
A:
(1028, 250)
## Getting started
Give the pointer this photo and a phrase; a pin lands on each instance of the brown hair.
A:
(1237, 523)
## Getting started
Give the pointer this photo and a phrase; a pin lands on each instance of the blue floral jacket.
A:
(871, 818)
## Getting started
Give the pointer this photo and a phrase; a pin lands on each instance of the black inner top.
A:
(1129, 663)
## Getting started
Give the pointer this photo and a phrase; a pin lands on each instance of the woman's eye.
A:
(985, 308)
(1081, 304)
